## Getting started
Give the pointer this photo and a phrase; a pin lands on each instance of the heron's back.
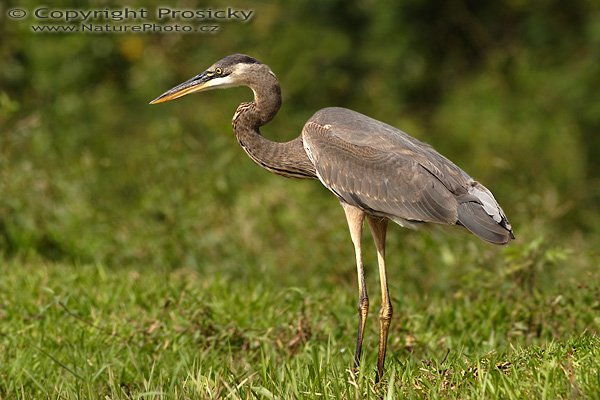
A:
(384, 171)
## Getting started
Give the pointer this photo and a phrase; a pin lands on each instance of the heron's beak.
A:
(196, 84)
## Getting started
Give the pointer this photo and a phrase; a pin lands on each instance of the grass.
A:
(523, 324)
(143, 256)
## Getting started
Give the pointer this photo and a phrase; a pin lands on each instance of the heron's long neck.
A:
(288, 159)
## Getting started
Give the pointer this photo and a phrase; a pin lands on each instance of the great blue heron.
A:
(374, 169)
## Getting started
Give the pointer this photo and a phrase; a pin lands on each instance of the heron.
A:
(376, 171)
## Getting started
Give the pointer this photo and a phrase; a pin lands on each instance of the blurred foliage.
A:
(90, 172)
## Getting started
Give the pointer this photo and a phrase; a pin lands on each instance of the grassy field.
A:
(144, 256)
(520, 322)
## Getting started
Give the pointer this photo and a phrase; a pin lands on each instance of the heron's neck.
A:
(288, 159)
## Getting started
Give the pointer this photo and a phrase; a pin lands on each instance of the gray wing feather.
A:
(386, 172)
(374, 172)
(475, 216)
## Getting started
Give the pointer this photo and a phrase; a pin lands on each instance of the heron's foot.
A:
(385, 315)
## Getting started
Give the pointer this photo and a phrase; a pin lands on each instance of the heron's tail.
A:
(481, 214)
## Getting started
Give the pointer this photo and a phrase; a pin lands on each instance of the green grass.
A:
(143, 255)
(522, 324)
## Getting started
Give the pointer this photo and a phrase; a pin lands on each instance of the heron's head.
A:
(233, 70)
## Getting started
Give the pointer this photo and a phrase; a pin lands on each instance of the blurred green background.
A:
(90, 173)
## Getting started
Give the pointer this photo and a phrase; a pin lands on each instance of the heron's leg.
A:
(355, 218)
(378, 228)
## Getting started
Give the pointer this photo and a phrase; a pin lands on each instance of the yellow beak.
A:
(196, 84)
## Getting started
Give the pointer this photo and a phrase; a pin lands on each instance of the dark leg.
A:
(378, 228)
(355, 219)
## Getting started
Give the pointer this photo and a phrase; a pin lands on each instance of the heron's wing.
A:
(382, 170)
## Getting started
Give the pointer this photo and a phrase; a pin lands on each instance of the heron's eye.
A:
(218, 71)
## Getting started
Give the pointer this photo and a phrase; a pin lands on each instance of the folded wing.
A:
(382, 170)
